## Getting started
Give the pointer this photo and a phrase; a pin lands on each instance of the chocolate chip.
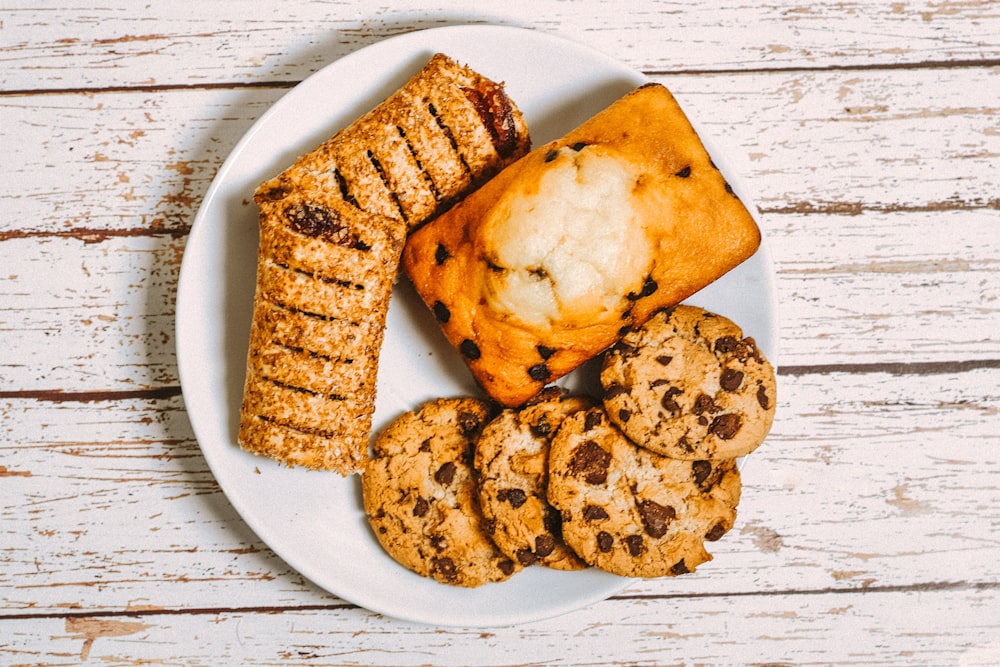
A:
(551, 155)
(725, 427)
(668, 401)
(685, 172)
(649, 287)
(656, 518)
(525, 557)
(605, 541)
(579, 146)
(703, 404)
(701, 470)
(716, 532)
(421, 507)
(469, 349)
(544, 545)
(539, 372)
(725, 345)
(541, 429)
(545, 352)
(594, 513)
(445, 475)
(706, 476)
(624, 415)
(506, 566)
(731, 379)
(445, 567)
(516, 497)
(762, 397)
(469, 423)
(625, 350)
(679, 568)
(615, 390)
(590, 461)
(664, 359)
(441, 254)
(441, 312)
(439, 542)
(593, 418)
(634, 544)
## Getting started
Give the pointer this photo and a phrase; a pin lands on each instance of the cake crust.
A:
(529, 307)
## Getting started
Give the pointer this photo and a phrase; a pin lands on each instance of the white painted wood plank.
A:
(890, 265)
(121, 162)
(69, 45)
(850, 142)
(873, 288)
(906, 628)
(81, 316)
(868, 481)
(843, 142)
(899, 287)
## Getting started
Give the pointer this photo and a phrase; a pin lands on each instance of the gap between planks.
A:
(926, 587)
(985, 63)
(171, 391)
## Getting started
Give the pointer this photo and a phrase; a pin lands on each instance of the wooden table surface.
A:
(869, 530)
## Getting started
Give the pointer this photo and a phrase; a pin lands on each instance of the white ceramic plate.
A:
(313, 520)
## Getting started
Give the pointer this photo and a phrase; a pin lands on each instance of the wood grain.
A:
(821, 509)
(868, 134)
(80, 46)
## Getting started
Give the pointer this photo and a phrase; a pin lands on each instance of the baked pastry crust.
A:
(332, 226)
(325, 272)
(443, 133)
(527, 287)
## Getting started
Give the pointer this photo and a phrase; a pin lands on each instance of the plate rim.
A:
(423, 38)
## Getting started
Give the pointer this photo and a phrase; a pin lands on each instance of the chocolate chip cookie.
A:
(633, 512)
(512, 465)
(689, 385)
(420, 494)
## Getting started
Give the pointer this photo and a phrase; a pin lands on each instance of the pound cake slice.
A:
(324, 276)
(550, 262)
(446, 131)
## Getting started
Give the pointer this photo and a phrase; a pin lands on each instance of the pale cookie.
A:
(420, 494)
(512, 465)
(689, 385)
(633, 512)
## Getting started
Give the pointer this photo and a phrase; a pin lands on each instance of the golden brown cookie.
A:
(689, 385)
(512, 467)
(420, 495)
(630, 511)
